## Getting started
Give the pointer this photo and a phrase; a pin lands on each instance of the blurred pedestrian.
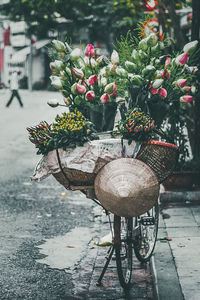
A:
(14, 86)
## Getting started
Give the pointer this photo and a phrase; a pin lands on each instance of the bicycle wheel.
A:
(144, 242)
(123, 234)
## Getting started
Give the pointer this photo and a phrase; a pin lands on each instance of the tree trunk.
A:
(179, 36)
(195, 20)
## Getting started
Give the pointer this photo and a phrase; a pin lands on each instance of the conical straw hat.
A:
(126, 187)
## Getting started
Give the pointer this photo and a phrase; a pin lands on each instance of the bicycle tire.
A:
(123, 244)
(145, 241)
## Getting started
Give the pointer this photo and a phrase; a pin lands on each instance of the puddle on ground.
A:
(63, 252)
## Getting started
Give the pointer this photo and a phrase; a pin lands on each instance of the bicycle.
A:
(132, 234)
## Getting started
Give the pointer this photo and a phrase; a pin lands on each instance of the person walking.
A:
(14, 86)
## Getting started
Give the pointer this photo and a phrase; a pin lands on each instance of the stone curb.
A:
(179, 196)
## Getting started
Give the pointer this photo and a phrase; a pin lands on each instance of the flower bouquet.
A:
(136, 126)
(67, 131)
(163, 85)
(87, 81)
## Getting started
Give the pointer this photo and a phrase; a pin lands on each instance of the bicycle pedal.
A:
(147, 221)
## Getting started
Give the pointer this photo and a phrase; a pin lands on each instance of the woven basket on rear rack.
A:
(161, 157)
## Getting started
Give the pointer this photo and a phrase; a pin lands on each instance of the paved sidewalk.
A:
(176, 262)
(142, 279)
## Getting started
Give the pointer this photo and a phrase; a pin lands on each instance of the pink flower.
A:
(89, 50)
(67, 101)
(111, 87)
(93, 80)
(165, 73)
(187, 88)
(186, 99)
(168, 62)
(162, 93)
(181, 82)
(153, 91)
(105, 98)
(77, 72)
(81, 89)
(90, 95)
(182, 59)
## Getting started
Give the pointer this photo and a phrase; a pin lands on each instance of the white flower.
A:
(121, 71)
(190, 47)
(157, 83)
(93, 62)
(56, 82)
(114, 57)
(53, 102)
(102, 72)
(86, 60)
(103, 81)
(75, 54)
(59, 46)
(57, 64)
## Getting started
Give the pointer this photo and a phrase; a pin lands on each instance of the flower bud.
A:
(105, 98)
(187, 88)
(193, 89)
(153, 91)
(56, 82)
(143, 44)
(162, 92)
(181, 82)
(111, 87)
(81, 89)
(134, 54)
(90, 95)
(58, 45)
(152, 40)
(67, 101)
(75, 54)
(114, 57)
(99, 60)
(186, 99)
(89, 50)
(157, 83)
(77, 72)
(73, 88)
(93, 62)
(121, 71)
(93, 80)
(68, 71)
(168, 62)
(190, 47)
(136, 80)
(53, 102)
(103, 81)
(148, 70)
(130, 66)
(181, 59)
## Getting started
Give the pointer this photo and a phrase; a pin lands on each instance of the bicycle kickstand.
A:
(108, 258)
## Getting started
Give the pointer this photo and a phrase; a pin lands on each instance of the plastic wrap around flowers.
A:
(136, 126)
(67, 131)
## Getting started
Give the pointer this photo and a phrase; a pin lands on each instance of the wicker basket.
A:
(161, 157)
(74, 177)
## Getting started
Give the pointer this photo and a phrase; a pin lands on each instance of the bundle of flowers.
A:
(157, 81)
(136, 126)
(83, 77)
(67, 131)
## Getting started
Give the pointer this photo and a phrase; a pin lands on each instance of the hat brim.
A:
(127, 187)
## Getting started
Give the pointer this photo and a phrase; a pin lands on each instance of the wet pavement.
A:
(47, 234)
